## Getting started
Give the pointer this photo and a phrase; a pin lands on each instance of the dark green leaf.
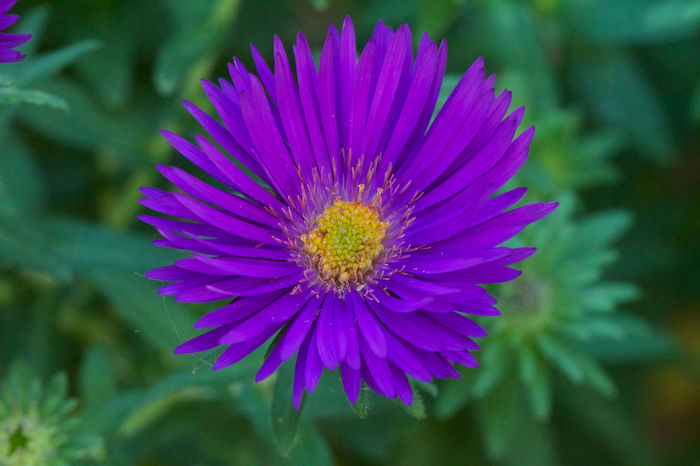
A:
(624, 22)
(47, 65)
(13, 95)
(96, 377)
(619, 95)
(361, 406)
(285, 419)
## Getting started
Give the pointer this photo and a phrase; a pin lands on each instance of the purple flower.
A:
(8, 40)
(367, 247)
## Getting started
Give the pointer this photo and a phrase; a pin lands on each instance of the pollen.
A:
(347, 239)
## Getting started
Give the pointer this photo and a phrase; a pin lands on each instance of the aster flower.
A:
(367, 247)
(9, 40)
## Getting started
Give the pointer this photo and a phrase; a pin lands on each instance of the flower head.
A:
(35, 422)
(8, 40)
(367, 247)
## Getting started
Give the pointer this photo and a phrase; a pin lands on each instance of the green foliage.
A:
(613, 92)
(37, 425)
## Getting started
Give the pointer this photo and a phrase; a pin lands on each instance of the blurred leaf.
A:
(85, 246)
(361, 405)
(20, 182)
(514, 36)
(495, 362)
(511, 434)
(45, 66)
(566, 358)
(449, 82)
(25, 242)
(96, 377)
(618, 94)
(436, 16)
(626, 22)
(454, 395)
(13, 95)
(417, 407)
(626, 338)
(203, 25)
(535, 378)
(165, 324)
(33, 22)
(111, 71)
(310, 448)
(284, 418)
(607, 421)
(88, 126)
(695, 104)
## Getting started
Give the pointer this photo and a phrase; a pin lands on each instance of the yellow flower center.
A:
(346, 242)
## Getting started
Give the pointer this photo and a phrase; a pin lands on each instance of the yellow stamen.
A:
(348, 238)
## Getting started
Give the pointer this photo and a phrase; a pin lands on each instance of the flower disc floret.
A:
(346, 242)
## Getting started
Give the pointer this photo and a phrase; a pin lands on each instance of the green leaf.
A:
(608, 422)
(510, 432)
(20, 181)
(285, 419)
(695, 104)
(361, 405)
(449, 82)
(619, 95)
(96, 377)
(494, 366)
(13, 95)
(47, 65)
(417, 407)
(630, 340)
(566, 358)
(518, 46)
(627, 22)
(86, 246)
(33, 22)
(205, 27)
(454, 395)
(88, 126)
(535, 378)
(163, 322)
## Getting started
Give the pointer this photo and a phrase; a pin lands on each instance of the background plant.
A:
(595, 356)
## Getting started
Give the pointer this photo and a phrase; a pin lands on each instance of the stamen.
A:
(347, 240)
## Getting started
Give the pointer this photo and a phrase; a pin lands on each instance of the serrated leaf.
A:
(284, 418)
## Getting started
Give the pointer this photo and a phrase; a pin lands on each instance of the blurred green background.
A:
(595, 360)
